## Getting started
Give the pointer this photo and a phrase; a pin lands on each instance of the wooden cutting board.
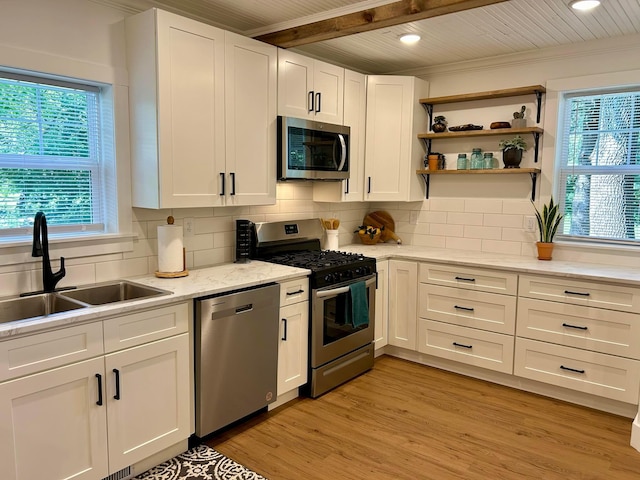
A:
(380, 219)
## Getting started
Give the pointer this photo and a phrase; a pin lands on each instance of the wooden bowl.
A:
(367, 240)
(495, 125)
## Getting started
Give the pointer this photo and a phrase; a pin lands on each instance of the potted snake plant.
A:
(548, 222)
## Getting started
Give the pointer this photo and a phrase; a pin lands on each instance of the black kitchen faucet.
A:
(41, 249)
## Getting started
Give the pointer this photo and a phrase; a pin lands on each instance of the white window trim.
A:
(551, 148)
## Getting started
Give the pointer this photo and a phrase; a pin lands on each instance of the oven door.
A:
(331, 335)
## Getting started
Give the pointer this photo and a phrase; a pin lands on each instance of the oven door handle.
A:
(338, 291)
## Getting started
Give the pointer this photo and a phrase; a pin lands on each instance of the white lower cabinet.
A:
(381, 326)
(92, 418)
(403, 293)
(293, 345)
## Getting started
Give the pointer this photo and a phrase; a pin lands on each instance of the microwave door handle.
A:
(343, 150)
(338, 291)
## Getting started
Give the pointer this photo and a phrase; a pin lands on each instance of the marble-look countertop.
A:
(519, 264)
(199, 283)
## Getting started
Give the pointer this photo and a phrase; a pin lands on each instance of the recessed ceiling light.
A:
(584, 5)
(409, 38)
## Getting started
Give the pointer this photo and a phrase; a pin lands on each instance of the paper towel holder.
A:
(184, 272)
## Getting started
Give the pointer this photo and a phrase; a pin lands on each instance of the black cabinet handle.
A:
(346, 186)
(465, 279)
(568, 325)
(571, 369)
(233, 183)
(284, 333)
(318, 99)
(222, 177)
(99, 377)
(296, 292)
(117, 374)
(458, 307)
(569, 292)
(369, 185)
(310, 102)
(456, 344)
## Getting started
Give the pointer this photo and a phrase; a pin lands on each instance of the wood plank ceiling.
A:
(496, 28)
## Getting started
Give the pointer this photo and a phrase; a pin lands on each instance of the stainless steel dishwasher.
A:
(236, 355)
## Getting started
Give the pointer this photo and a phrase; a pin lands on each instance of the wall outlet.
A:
(530, 223)
(188, 227)
(413, 217)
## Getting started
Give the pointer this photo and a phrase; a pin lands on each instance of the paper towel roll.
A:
(170, 248)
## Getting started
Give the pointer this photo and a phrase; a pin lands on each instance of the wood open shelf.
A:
(533, 172)
(481, 133)
(466, 97)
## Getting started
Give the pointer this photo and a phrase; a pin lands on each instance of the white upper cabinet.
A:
(185, 145)
(355, 113)
(393, 152)
(309, 88)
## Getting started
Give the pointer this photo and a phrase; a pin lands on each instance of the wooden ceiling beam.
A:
(396, 13)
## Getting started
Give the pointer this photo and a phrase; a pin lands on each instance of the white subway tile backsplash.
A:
(500, 246)
(522, 207)
(501, 220)
(429, 241)
(483, 205)
(444, 230)
(199, 242)
(518, 235)
(15, 283)
(431, 216)
(447, 204)
(464, 218)
(485, 233)
(473, 244)
(121, 268)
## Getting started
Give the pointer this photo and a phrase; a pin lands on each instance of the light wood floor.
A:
(406, 421)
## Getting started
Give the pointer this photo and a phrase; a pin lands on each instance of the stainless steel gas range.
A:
(342, 302)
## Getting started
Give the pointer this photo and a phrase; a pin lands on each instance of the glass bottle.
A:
(463, 162)
(477, 160)
(488, 160)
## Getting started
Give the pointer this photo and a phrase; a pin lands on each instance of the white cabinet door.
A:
(355, 115)
(382, 305)
(51, 425)
(176, 68)
(148, 399)
(403, 295)
(293, 346)
(393, 151)
(250, 94)
(310, 89)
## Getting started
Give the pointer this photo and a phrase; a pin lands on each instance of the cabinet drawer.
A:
(469, 278)
(467, 345)
(590, 294)
(589, 328)
(487, 311)
(596, 373)
(143, 327)
(43, 351)
(294, 291)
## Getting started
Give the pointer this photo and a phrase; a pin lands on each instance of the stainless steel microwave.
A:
(310, 150)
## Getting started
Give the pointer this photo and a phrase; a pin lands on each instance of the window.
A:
(599, 166)
(50, 155)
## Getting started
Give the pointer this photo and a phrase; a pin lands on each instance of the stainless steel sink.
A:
(120, 291)
(41, 305)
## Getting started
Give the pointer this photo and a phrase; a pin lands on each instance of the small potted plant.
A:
(548, 222)
(512, 151)
(439, 124)
(518, 118)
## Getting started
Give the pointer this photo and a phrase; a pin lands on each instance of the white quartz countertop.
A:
(199, 283)
(577, 270)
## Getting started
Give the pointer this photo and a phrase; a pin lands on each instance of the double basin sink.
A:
(44, 304)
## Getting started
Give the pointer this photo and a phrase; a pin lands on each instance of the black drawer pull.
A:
(456, 344)
(571, 369)
(117, 374)
(296, 292)
(467, 309)
(466, 279)
(284, 333)
(99, 377)
(568, 325)
(569, 292)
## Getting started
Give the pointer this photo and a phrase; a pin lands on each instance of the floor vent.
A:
(123, 474)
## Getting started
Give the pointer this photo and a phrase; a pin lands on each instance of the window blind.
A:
(599, 171)
(49, 154)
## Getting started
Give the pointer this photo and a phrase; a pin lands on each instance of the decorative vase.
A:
(519, 123)
(439, 127)
(512, 158)
(545, 249)
(433, 160)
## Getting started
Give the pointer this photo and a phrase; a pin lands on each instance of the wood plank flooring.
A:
(402, 420)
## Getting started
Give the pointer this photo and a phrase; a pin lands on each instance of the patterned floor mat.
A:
(200, 463)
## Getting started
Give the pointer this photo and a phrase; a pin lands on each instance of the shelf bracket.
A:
(534, 178)
(426, 183)
(429, 109)
(539, 99)
(536, 143)
(427, 145)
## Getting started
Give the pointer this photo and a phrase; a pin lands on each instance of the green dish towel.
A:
(359, 305)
